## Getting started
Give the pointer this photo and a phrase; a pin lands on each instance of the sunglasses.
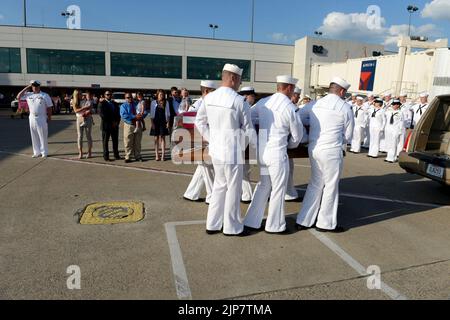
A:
(108, 94)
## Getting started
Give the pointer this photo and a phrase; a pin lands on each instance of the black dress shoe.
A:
(127, 161)
(117, 158)
(211, 232)
(250, 229)
(246, 202)
(106, 159)
(338, 229)
(299, 227)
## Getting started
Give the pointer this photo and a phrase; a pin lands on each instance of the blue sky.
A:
(275, 21)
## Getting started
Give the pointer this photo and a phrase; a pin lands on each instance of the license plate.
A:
(435, 171)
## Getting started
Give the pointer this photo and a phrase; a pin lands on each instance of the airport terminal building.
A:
(66, 59)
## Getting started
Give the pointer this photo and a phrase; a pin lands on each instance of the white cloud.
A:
(437, 10)
(2, 17)
(358, 26)
(370, 28)
(282, 37)
(427, 30)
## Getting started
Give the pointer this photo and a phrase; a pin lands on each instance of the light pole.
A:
(24, 13)
(411, 9)
(214, 27)
(253, 19)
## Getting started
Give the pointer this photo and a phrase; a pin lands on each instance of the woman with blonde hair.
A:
(160, 116)
(83, 111)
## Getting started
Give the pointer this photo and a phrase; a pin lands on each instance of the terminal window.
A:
(211, 68)
(10, 60)
(43, 61)
(146, 65)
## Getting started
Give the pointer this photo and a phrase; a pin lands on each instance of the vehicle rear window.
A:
(442, 119)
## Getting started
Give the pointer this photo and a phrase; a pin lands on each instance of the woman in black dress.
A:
(160, 115)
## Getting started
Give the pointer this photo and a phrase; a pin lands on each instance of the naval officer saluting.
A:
(40, 105)
(331, 127)
(279, 129)
(223, 119)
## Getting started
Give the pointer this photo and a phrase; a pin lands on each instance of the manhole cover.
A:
(112, 212)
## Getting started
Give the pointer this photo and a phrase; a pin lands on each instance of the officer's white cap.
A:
(341, 82)
(387, 94)
(424, 95)
(403, 94)
(248, 89)
(359, 98)
(297, 90)
(35, 82)
(233, 69)
(379, 100)
(371, 95)
(287, 80)
(208, 84)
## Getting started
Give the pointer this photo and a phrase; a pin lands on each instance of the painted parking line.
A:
(93, 163)
(182, 282)
(187, 174)
(302, 165)
(178, 268)
(355, 265)
(383, 199)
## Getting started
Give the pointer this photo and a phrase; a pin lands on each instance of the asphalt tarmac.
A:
(398, 225)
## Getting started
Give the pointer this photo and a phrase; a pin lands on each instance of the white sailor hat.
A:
(287, 79)
(247, 90)
(360, 98)
(388, 94)
(208, 84)
(379, 100)
(396, 101)
(306, 97)
(233, 69)
(354, 94)
(297, 90)
(403, 94)
(424, 94)
(35, 83)
(341, 82)
(370, 95)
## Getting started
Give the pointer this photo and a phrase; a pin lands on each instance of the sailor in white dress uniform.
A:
(204, 174)
(224, 120)
(40, 106)
(331, 127)
(280, 128)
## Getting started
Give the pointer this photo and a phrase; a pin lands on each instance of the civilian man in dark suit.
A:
(110, 113)
(174, 102)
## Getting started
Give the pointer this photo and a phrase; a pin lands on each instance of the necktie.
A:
(374, 113)
(420, 109)
(357, 111)
(392, 118)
